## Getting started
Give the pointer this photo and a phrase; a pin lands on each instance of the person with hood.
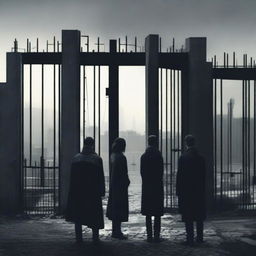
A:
(118, 206)
(87, 187)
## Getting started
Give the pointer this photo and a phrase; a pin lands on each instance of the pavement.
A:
(40, 236)
(37, 236)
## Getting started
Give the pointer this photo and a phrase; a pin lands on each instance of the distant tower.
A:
(229, 134)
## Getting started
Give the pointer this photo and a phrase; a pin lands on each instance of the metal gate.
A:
(235, 137)
(170, 130)
(41, 135)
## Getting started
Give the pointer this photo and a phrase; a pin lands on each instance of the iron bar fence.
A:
(234, 148)
(40, 193)
(170, 131)
(40, 120)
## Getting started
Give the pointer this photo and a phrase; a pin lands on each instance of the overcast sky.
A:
(228, 24)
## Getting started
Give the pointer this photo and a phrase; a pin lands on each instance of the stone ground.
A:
(22, 235)
(53, 236)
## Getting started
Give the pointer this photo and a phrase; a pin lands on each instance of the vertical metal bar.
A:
(234, 59)
(126, 44)
(178, 110)
(54, 133)
(228, 117)
(171, 146)
(215, 138)
(160, 44)
(99, 105)
(27, 45)
(59, 127)
(32, 185)
(25, 195)
(84, 78)
(54, 44)
(30, 114)
(166, 130)
(173, 44)
(98, 44)
(221, 141)
(161, 110)
(119, 45)
(254, 141)
(243, 142)
(249, 137)
(37, 45)
(94, 102)
(174, 119)
(22, 137)
(42, 129)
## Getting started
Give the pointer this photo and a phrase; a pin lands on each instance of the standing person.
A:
(151, 169)
(117, 208)
(191, 190)
(87, 186)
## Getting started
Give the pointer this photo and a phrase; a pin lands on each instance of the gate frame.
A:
(196, 94)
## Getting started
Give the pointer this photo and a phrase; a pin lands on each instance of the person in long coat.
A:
(152, 200)
(118, 207)
(87, 187)
(190, 189)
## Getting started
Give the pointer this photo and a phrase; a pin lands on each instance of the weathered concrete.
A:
(152, 89)
(70, 108)
(198, 105)
(10, 137)
(113, 96)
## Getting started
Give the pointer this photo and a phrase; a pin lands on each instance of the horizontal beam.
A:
(106, 59)
(42, 58)
(234, 73)
(174, 60)
(166, 60)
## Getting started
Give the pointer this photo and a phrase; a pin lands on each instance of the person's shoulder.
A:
(77, 158)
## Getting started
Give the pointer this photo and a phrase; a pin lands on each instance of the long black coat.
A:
(151, 169)
(191, 186)
(87, 186)
(118, 206)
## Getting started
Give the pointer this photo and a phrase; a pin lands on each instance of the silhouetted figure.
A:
(118, 208)
(151, 169)
(191, 190)
(87, 186)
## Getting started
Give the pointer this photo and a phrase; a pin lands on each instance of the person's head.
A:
(89, 142)
(118, 145)
(189, 141)
(153, 141)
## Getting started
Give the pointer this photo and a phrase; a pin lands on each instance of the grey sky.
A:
(228, 24)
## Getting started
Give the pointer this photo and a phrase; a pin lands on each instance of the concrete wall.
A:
(152, 87)
(70, 108)
(10, 137)
(198, 105)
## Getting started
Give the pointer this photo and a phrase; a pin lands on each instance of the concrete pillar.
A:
(152, 90)
(10, 137)
(197, 105)
(70, 108)
(113, 94)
